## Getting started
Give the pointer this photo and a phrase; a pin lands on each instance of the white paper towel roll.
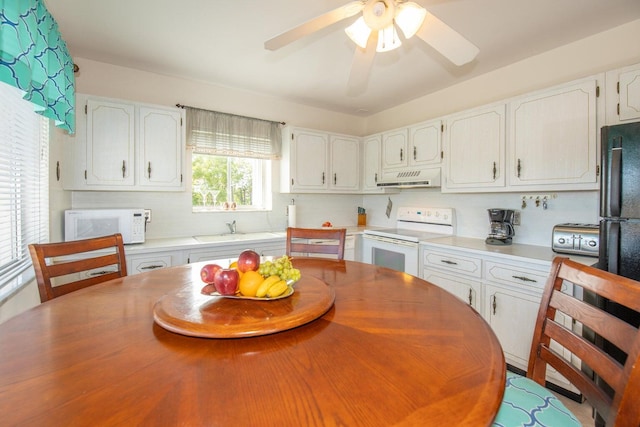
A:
(291, 215)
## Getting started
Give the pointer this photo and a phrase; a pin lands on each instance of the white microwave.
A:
(88, 223)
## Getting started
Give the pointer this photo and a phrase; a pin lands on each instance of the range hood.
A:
(410, 178)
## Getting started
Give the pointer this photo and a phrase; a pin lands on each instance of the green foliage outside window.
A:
(220, 179)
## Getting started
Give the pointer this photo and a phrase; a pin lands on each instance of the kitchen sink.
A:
(229, 237)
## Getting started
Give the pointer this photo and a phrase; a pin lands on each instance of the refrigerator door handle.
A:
(615, 195)
(613, 244)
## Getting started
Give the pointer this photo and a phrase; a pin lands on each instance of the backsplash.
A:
(172, 216)
(471, 211)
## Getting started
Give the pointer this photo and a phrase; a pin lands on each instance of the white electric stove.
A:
(397, 248)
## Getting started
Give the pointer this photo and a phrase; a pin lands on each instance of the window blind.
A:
(24, 186)
(211, 132)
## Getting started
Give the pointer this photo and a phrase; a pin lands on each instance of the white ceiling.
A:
(221, 41)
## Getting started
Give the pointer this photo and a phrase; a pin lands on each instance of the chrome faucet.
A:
(232, 226)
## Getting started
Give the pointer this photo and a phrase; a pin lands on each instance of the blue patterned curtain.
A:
(35, 59)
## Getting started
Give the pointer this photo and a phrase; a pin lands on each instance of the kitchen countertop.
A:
(516, 250)
(195, 242)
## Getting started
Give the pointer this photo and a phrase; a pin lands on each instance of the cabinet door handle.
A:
(152, 267)
(401, 154)
(470, 296)
(519, 168)
(415, 153)
(495, 171)
(323, 177)
(100, 273)
(494, 305)
(524, 279)
(335, 179)
(149, 170)
(124, 168)
(58, 170)
(446, 261)
(375, 177)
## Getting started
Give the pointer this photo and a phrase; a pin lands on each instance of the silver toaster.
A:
(577, 239)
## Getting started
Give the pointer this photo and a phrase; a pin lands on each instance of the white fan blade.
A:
(447, 41)
(315, 24)
(361, 66)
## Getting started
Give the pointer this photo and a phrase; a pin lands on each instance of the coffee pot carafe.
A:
(500, 227)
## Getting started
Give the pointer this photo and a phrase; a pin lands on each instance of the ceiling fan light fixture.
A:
(359, 32)
(410, 17)
(388, 39)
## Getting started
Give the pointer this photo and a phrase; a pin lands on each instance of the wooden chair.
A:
(77, 257)
(526, 399)
(333, 241)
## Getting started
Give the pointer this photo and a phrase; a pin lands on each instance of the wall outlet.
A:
(516, 217)
(147, 216)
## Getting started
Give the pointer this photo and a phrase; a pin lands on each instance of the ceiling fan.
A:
(376, 31)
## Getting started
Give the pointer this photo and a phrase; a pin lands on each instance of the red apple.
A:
(226, 281)
(248, 260)
(208, 272)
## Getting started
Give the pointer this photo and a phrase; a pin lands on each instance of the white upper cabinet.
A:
(412, 147)
(371, 162)
(394, 149)
(344, 165)
(307, 164)
(623, 95)
(317, 162)
(553, 138)
(160, 147)
(543, 141)
(123, 146)
(425, 143)
(110, 143)
(474, 150)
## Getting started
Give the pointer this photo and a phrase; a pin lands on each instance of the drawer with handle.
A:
(456, 263)
(507, 274)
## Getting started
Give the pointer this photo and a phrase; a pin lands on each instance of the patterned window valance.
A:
(34, 58)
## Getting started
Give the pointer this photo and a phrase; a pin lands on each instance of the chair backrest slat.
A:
(621, 408)
(333, 241)
(54, 260)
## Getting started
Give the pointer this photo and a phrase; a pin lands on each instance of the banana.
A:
(277, 289)
(266, 284)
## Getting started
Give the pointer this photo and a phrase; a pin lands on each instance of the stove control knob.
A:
(562, 241)
(592, 243)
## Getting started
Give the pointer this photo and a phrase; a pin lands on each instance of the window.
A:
(24, 187)
(221, 181)
(231, 160)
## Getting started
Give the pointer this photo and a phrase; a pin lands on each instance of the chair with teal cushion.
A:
(527, 403)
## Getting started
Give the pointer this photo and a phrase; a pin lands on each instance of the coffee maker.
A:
(500, 227)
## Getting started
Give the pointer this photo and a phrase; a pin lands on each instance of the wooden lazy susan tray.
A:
(188, 312)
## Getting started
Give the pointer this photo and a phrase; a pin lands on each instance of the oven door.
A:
(395, 254)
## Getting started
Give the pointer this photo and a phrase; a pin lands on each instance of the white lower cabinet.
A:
(459, 274)
(152, 261)
(271, 248)
(506, 292)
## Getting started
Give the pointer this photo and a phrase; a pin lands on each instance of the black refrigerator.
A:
(619, 220)
(620, 200)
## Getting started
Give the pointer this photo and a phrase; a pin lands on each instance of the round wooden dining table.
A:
(392, 349)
